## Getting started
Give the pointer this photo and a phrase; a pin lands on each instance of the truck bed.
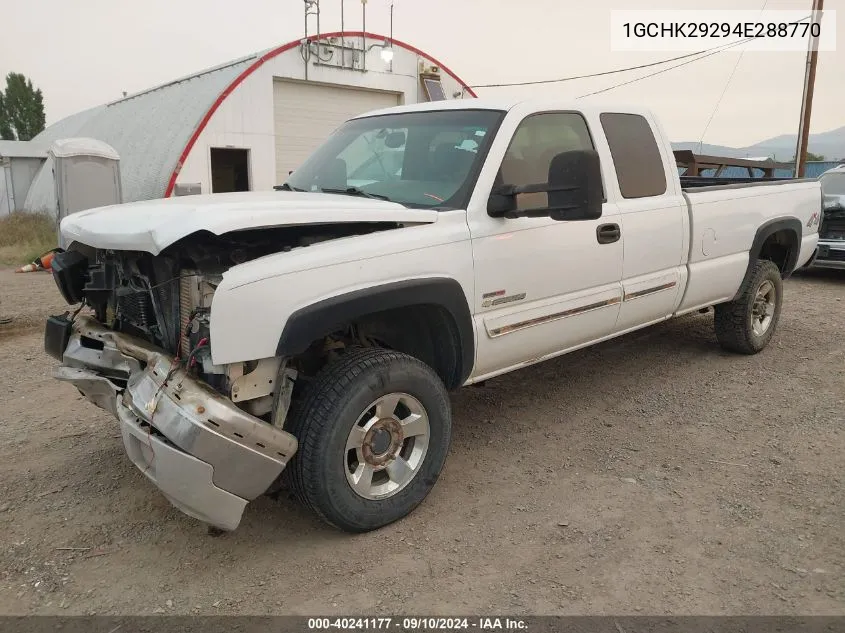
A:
(723, 220)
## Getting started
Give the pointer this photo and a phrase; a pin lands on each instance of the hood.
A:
(153, 225)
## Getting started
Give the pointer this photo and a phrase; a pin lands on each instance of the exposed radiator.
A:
(137, 309)
(189, 298)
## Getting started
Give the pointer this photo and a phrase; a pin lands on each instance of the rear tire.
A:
(747, 324)
(374, 429)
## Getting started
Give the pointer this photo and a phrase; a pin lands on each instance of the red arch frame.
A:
(270, 55)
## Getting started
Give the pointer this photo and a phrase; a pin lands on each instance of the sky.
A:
(87, 52)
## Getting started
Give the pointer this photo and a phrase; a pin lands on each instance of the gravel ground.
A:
(653, 474)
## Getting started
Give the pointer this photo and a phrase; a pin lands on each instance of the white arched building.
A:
(246, 124)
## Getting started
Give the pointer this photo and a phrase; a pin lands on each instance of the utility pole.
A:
(807, 100)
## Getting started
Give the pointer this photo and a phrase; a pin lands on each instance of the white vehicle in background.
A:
(831, 253)
(309, 336)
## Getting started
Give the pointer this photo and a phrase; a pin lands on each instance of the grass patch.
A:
(25, 236)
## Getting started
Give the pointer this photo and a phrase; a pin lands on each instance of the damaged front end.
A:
(210, 437)
(205, 454)
(831, 248)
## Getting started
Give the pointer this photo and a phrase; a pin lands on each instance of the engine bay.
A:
(166, 299)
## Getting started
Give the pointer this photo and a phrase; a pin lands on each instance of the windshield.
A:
(418, 159)
(833, 184)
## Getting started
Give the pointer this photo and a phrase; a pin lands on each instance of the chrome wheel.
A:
(387, 446)
(763, 308)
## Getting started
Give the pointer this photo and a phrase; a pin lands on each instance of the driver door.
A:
(542, 286)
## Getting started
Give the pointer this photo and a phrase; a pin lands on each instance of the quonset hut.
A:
(246, 124)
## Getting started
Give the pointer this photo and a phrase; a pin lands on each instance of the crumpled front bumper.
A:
(206, 455)
(830, 254)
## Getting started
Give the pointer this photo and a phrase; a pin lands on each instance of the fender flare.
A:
(764, 232)
(311, 322)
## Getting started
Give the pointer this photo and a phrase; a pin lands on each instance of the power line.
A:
(715, 51)
(665, 70)
(606, 72)
(702, 54)
(724, 90)
(719, 101)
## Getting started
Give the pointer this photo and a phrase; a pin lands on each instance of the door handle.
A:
(608, 233)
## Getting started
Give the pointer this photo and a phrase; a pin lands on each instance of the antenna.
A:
(312, 7)
(364, 36)
(387, 51)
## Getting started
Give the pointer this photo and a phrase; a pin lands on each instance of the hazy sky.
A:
(85, 52)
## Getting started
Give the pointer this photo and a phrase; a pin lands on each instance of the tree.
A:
(6, 132)
(21, 109)
(811, 157)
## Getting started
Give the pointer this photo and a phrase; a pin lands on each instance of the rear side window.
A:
(636, 156)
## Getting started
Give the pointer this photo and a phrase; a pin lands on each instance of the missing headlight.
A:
(69, 270)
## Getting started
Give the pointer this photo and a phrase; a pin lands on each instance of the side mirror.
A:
(574, 190)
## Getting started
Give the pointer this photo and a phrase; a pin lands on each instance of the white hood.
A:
(153, 225)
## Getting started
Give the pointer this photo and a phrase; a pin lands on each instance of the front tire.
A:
(374, 429)
(747, 324)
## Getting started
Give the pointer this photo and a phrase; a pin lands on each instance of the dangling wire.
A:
(606, 72)
(79, 309)
(632, 81)
(725, 90)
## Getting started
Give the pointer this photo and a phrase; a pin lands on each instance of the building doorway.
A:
(229, 169)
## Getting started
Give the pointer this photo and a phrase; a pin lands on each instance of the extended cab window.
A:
(537, 140)
(639, 167)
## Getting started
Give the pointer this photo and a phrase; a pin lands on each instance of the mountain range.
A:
(830, 144)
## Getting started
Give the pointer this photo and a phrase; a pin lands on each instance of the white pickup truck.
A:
(308, 336)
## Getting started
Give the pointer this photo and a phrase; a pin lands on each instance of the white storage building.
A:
(20, 162)
(246, 124)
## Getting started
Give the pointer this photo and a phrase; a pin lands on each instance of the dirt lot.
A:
(654, 474)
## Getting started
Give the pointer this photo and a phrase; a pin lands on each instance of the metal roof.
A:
(836, 169)
(148, 129)
(67, 147)
(154, 130)
(22, 149)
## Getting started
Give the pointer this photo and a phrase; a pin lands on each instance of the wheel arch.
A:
(788, 229)
(324, 317)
